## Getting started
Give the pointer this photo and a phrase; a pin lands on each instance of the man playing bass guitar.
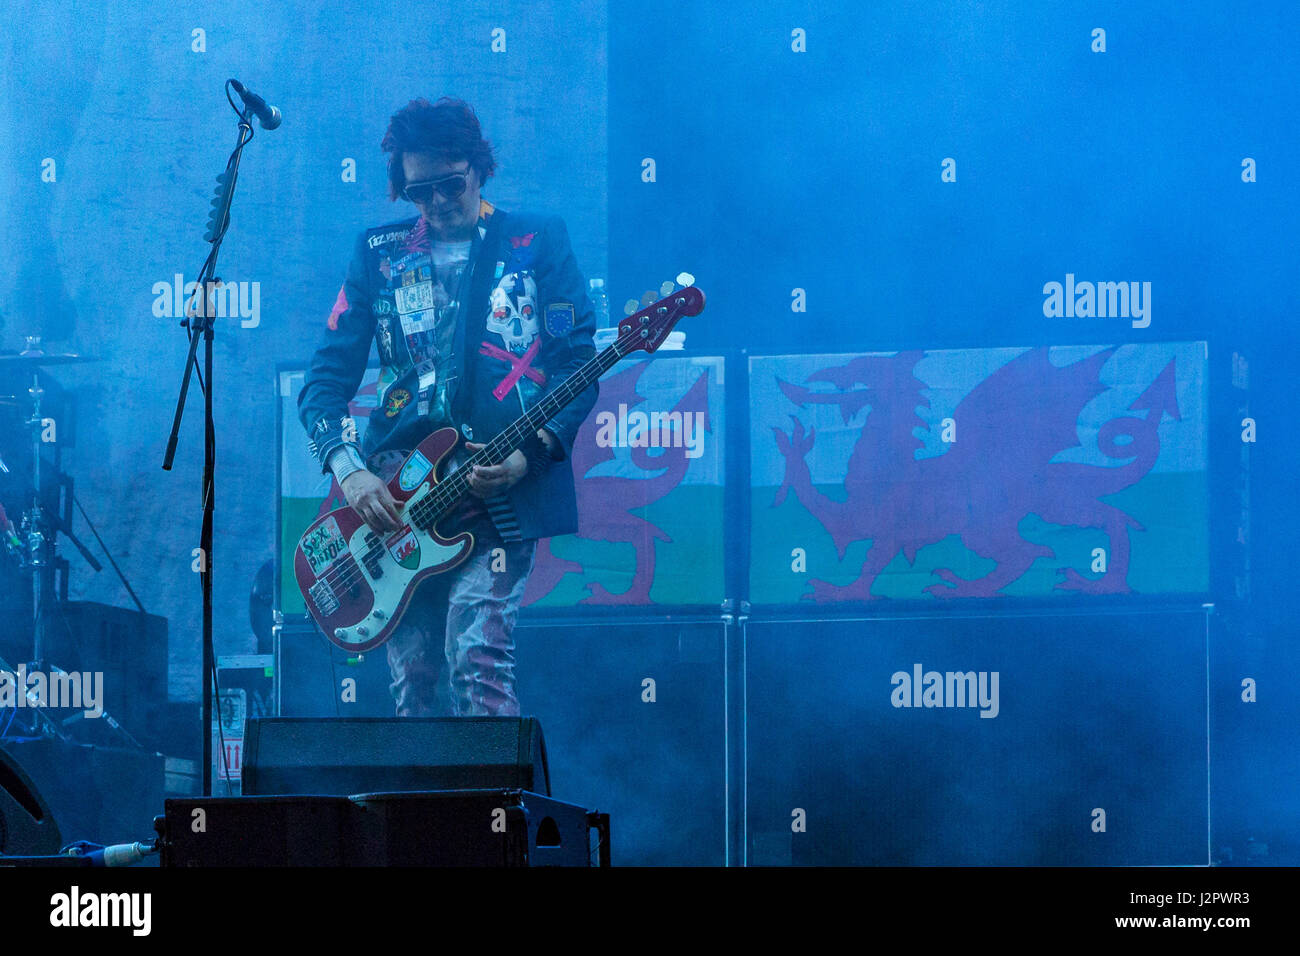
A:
(476, 315)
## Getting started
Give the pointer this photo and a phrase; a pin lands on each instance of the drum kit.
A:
(32, 543)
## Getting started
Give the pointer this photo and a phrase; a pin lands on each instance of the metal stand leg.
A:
(735, 736)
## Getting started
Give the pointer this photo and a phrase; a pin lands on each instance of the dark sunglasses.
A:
(452, 187)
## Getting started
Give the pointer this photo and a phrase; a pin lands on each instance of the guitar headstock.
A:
(647, 327)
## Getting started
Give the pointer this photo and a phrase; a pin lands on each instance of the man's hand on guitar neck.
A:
(371, 499)
(487, 480)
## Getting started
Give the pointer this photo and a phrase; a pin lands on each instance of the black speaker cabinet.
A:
(452, 828)
(27, 827)
(314, 678)
(1046, 739)
(470, 828)
(635, 724)
(257, 831)
(343, 756)
(130, 649)
(101, 794)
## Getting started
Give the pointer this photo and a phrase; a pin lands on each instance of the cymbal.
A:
(43, 358)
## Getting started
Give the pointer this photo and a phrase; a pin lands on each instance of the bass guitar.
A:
(358, 582)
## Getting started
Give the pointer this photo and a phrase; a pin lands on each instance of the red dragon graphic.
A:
(605, 503)
(1000, 470)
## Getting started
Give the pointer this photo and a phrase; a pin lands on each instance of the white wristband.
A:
(345, 460)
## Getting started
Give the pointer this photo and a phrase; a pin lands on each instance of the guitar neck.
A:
(452, 489)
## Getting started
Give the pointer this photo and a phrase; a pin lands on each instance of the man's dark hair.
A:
(447, 129)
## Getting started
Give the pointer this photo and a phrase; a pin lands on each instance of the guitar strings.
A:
(444, 496)
(429, 510)
(450, 490)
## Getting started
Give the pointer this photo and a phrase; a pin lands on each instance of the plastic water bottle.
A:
(600, 302)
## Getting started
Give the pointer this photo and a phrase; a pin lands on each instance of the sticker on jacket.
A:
(397, 399)
(417, 297)
(384, 238)
(384, 339)
(513, 311)
(559, 318)
(340, 306)
(522, 252)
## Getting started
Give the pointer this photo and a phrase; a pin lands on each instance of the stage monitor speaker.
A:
(99, 794)
(257, 831)
(27, 827)
(469, 828)
(341, 756)
(448, 828)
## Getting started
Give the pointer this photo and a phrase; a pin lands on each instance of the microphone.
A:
(268, 116)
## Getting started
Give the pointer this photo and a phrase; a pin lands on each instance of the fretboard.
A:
(450, 490)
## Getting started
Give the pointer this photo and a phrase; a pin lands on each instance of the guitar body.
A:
(358, 583)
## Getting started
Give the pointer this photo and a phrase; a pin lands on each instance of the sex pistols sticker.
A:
(323, 546)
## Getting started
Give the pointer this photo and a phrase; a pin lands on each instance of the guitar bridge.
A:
(322, 595)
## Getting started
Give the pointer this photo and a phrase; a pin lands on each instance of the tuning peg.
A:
(666, 289)
(684, 279)
(649, 298)
(630, 306)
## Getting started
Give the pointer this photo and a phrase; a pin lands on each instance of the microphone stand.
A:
(201, 321)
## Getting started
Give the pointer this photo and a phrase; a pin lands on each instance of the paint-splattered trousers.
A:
(452, 654)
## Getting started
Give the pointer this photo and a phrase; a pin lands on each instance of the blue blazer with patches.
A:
(521, 287)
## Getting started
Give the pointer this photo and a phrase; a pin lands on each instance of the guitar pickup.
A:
(322, 595)
(371, 557)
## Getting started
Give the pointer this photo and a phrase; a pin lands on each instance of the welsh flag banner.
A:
(648, 469)
(970, 473)
(648, 466)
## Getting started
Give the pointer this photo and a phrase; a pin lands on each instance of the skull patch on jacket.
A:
(513, 311)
